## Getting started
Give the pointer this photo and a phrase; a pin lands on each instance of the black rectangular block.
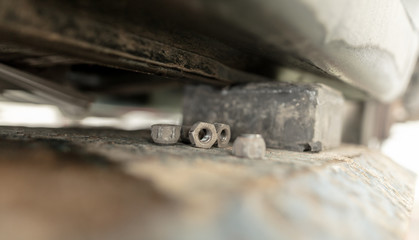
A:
(302, 117)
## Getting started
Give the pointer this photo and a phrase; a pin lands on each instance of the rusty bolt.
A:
(203, 135)
(249, 146)
(165, 133)
(223, 133)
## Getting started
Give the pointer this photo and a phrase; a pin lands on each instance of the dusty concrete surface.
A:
(110, 184)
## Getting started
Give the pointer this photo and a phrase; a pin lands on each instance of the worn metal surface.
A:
(108, 184)
(249, 146)
(223, 134)
(203, 135)
(223, 42)
(123, 35)
(165, 133)
(305, 117)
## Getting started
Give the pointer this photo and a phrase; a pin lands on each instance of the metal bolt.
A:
(203, 135)
(165, 133)
(224, 134)
(249, 146)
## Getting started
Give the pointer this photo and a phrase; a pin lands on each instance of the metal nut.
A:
(203, 135)
(224, 134)
(249, 146)
(165, 133)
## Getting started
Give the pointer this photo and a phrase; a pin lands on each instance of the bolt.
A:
(249, 146)
(224, 134)
(165, 133)
(203, 135)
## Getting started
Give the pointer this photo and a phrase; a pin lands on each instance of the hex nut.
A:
(165, 134)
(249, 146)
(203, 135)
(224, 134)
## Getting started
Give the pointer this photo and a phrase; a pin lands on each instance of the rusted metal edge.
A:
(102, 44)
